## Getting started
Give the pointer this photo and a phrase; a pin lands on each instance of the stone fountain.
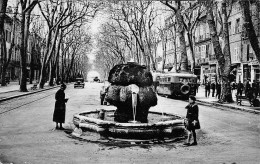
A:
(132, 93)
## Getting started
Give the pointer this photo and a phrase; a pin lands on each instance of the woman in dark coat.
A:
(192, 120)
(60, 107)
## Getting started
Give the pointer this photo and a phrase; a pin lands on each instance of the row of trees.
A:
(65, 41)
(134, 32)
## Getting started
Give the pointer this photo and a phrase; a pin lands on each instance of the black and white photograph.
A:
(129, 81)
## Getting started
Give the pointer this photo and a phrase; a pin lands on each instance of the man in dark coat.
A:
(218, 87)
(60, 107)
(240, 88)
(192, 120)
(207, 89)
(247, 88)
(213, 87)
(255, 87)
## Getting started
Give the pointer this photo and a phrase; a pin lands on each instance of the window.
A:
(237, 27)
(229, 28)
(197, 34)
(7, 36)
(203, 51)
(207, 31)
(207, 51)
(201, 32)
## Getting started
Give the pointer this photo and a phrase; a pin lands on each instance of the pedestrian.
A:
(247, 87)
(60, 107)
(192, 120)
(207, 89)
(240, 88)
(197, 86)
(250, 95)
(218, 88)
(255, 87)
(213, 87)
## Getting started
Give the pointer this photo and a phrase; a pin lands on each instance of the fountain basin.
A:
(159, 127)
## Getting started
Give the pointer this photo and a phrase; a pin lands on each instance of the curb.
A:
(226, 106)
(29, 93)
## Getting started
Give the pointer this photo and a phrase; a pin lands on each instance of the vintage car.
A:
(79, 83)
(103, 93)
(175, 84)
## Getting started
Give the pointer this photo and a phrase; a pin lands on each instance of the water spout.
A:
(135, 90)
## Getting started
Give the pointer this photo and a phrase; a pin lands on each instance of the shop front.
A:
(254, 72)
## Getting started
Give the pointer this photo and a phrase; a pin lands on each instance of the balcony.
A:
(204, 61)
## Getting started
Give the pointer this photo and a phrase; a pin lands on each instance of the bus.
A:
(175, 84)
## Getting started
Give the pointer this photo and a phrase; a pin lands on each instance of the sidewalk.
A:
(12, 90)
(201, 99)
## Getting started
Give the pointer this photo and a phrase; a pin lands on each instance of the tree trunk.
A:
(249, 27)
(42, 79)
(182, 48)
(191, 51)
(32, 65)
(51, 74)
(3, 52)
(32, 73)
(48, 55)
(226, 95)
(23, 80)
(164, 50)
(223, 61)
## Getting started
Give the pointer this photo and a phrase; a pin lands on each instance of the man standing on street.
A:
(247, 88)
(213, 87)
(240, 88)
(218, 87)
(207, 89)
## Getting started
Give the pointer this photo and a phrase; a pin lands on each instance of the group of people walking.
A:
(251, 91)
(214, 87)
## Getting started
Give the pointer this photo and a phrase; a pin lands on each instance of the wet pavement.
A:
(27, 134)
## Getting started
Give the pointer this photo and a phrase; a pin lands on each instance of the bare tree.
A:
(62, 15)
(136, 24)
(6, 58)
(190, 23)
(249, 25)
(177, 9)
(27, 7)
(223, 57)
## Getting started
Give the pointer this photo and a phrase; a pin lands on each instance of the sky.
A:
(101, 18)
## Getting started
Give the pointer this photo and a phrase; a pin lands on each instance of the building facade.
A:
(33, 51)
(243, 60)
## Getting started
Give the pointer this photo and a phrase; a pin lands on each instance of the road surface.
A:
(27, 134)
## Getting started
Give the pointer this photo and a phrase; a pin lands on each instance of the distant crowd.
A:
(250, 91)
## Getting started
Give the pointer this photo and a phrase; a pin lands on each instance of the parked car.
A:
(96, 79)
(79, 83)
